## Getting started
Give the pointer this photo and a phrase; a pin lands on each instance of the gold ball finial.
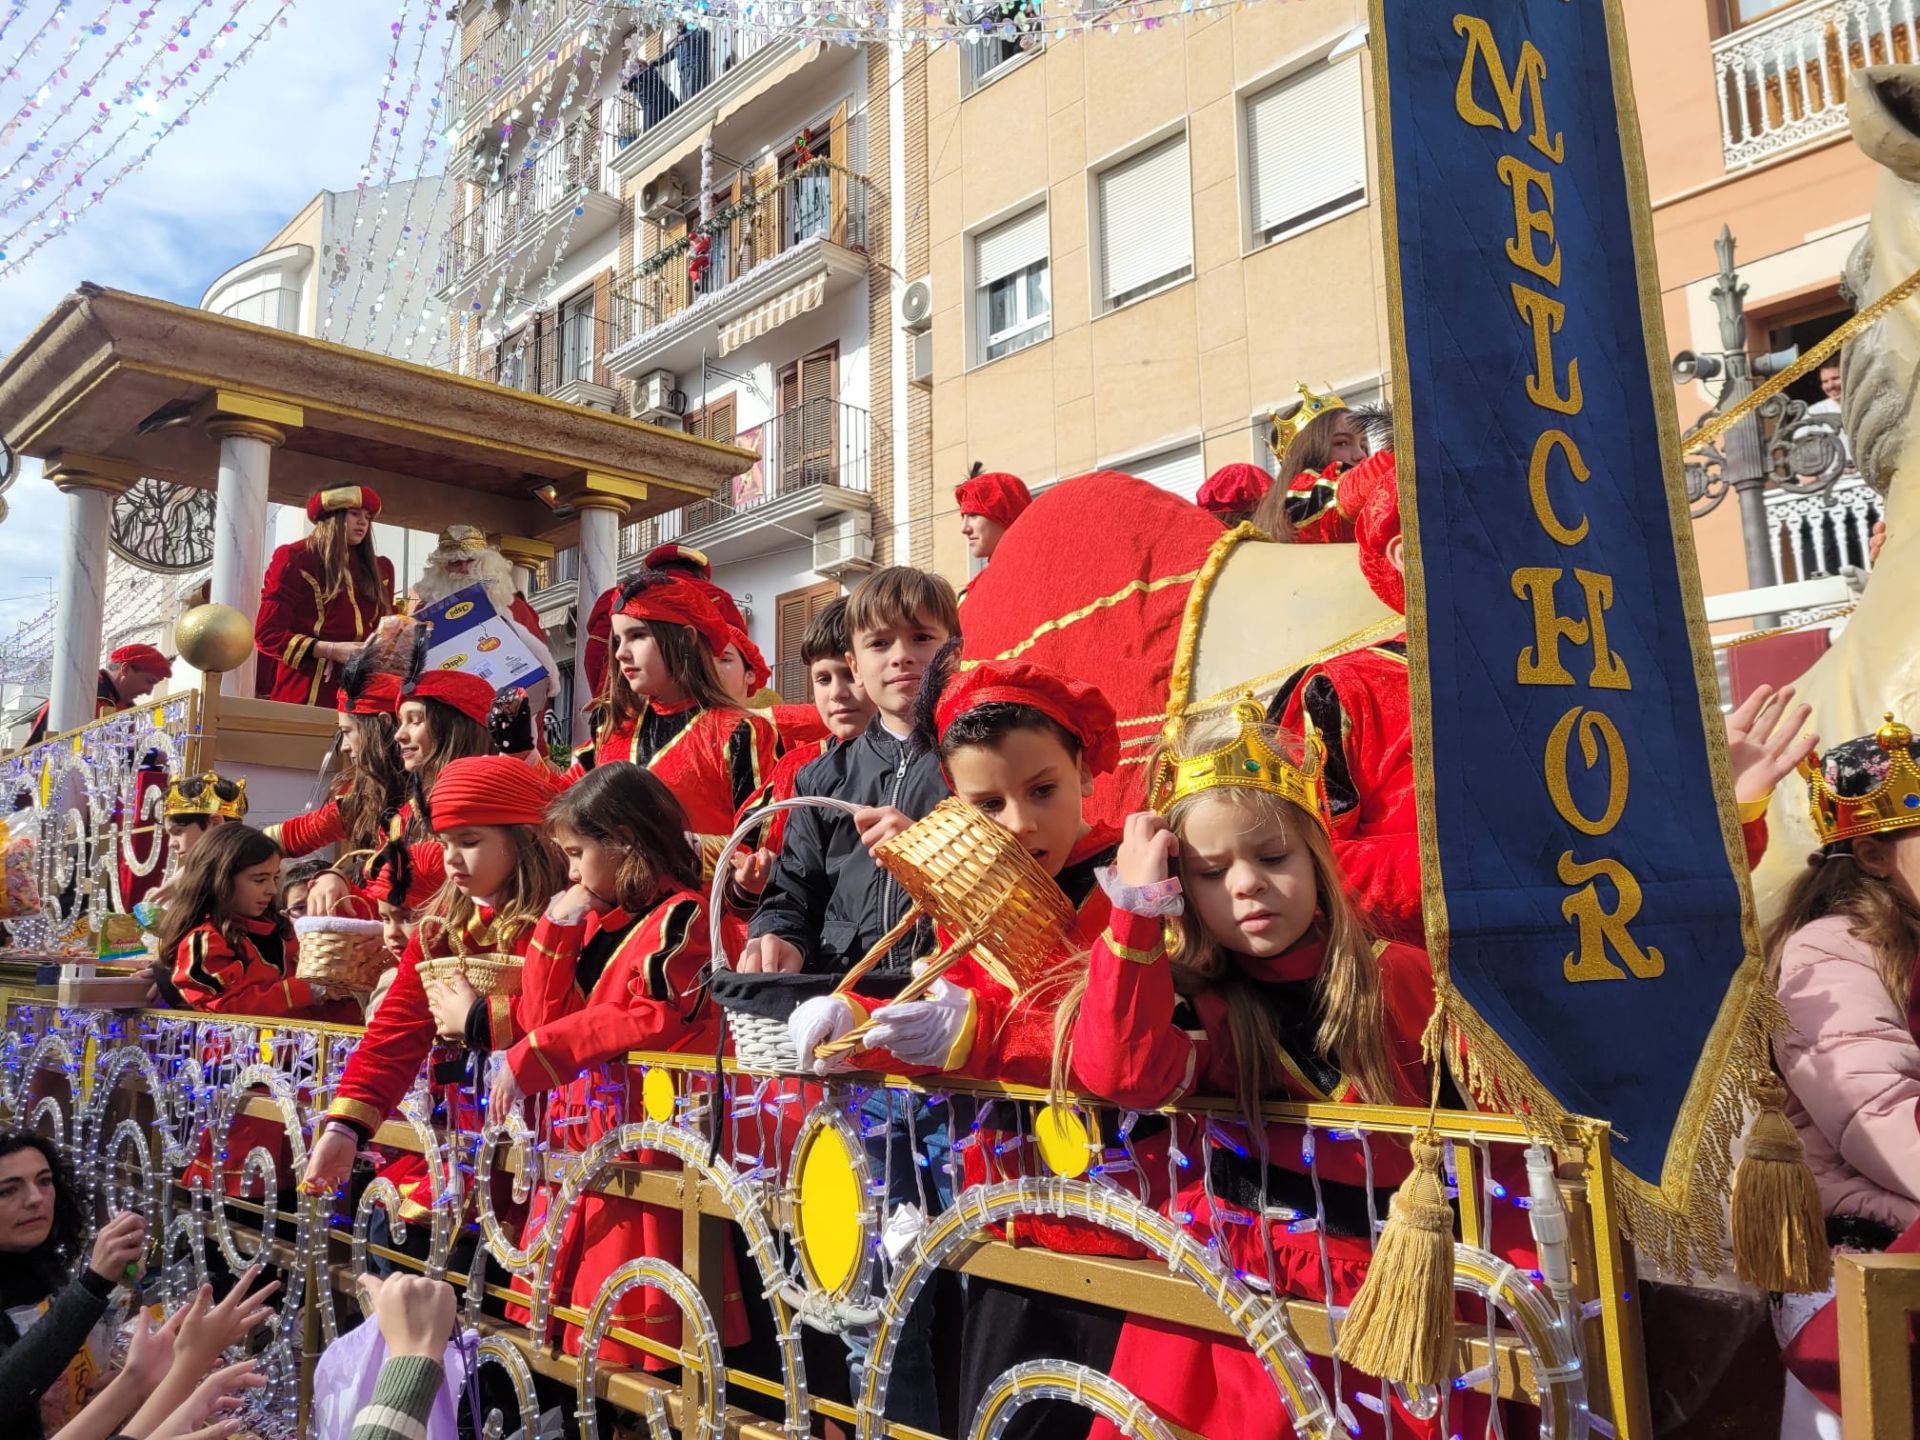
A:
(213, 638)
(1892, 736)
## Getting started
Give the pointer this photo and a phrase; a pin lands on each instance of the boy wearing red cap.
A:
(323, 595)
(988, 505)
(125, 680)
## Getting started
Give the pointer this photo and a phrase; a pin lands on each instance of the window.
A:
(793, 613)
(1146, 223)
(1181, 469)
(576, 338)
(1010, 279)
(807, 447)
(1009, 32)
(1306, 150)
(513, 362)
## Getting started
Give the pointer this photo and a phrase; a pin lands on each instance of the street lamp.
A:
(1777, 447)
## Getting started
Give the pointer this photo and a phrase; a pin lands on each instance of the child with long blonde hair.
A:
(1234, 964)
(322, 596)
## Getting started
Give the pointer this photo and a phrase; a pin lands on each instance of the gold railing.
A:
(132, 1096)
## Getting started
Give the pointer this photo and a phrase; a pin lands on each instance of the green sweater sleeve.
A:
(402, 1399)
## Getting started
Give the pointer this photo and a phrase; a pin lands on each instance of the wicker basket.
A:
(341, 953)
(488, 973)
(757, 1008)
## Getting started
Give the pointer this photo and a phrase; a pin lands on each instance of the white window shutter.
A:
(1181, 470)
(1306, 146)
(1010, 247)
(1146, 220)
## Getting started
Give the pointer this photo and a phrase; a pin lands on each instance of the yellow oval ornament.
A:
(266, 1047)
(1066, 1143)
(657, 1095)
(828, 1227)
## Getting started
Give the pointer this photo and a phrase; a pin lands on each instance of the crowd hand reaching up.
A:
(330, 1160)
(922, 1032)
(1148, 848)
(1761, 752)
(816, 1022)
(415, 1314)
(150, 1359)
(450, 1001)
(204, 1331)
(770, 955)
(751, 869)
(118, 1247)
(877, 824)
(211, 1411)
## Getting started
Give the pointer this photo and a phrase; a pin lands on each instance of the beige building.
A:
(1743, 108)
(1140, 243)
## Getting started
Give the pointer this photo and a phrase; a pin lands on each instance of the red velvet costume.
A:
(1138, 1043)
(1234, 490)
(799, 725)
(1313, 508)
(252, 977)
(592, 992)
(713, 760)
(296, 614)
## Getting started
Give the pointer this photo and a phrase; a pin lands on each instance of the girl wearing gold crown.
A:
(1846, 945)
(1234, 964)
(1320, 441)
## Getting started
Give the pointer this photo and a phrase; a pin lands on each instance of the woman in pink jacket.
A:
(1845, 946)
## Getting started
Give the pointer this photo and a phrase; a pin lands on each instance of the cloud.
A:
(297, 118)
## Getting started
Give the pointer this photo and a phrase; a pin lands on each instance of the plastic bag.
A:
(19, 891)
(349, 1369)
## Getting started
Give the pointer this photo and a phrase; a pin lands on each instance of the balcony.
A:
(698, 72)
(1817, 536)
(524, 217)
(1783, 80)
(813, 463)
(494, 70)
(804, 243)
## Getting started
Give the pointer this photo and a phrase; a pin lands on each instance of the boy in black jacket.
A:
(827, 903)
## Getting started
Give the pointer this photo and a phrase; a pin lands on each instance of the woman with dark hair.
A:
(373, 784)
(48, 1308)
(323, 596)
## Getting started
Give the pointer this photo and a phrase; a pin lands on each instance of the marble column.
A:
(598, 572)
(83, 596)
(240, 525)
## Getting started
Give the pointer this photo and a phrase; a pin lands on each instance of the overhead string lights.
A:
(96, 27)
(867, 22)
(41, 94)
(397, 113)
(418, 243)
(12, 259)
(341, 259)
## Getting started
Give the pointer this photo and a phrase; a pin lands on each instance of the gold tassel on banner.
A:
(1779, 1224)
(1400, 1325)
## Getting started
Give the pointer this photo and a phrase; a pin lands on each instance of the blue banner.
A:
(1582, 863)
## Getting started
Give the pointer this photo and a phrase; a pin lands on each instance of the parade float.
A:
(1594, 939)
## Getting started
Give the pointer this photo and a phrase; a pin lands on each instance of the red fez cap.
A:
(660, 595)
(757, 672)
(490, 790)
(721, 600)
(379, 694)
(1235, 489)
(142, 657)
(1370, 495)
(999, 497)
(469, 694)
(343, 497)
(1081, 710)
(661, 556)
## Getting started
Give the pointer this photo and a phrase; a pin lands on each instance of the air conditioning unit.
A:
(916, 306)
(921, 359)
(662, 196)
(655, 397)
(843, 543)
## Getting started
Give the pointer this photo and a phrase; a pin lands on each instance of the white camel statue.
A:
(1874, 666)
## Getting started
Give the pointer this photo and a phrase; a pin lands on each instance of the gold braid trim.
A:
(1074, 617)
(1180, 683)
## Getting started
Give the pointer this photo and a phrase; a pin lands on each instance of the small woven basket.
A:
(488, 973)
(341, 953)
(757, 1008)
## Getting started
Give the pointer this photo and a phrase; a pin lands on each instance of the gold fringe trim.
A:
(1180, 685)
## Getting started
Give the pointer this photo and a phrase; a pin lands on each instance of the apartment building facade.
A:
(1743, 109)
(692, 226)
(1140, 244)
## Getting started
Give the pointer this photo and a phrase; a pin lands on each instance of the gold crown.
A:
(464, 537)
(1247, 762)
(1310, 409)
(209, 794)
(1894, 804)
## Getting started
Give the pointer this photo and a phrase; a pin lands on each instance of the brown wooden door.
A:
(808, 428)
(793, 613)
(716, 421)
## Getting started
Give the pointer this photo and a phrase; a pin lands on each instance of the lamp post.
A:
(1774, 448)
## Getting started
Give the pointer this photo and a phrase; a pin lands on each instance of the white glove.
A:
(922, 1032)
(820, 1021)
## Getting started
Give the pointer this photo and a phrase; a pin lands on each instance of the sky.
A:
(297, 118)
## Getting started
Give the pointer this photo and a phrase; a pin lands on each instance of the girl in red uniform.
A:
(1318, 443)
(1235, 965)
(323, 595)
(668, 711)
(487, 814)
(614, 966)
(374, 783)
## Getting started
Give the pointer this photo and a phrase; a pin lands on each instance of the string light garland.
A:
(84, 90)
(338, 279)
(862, 22)
(132, 92)
(97, 27)
(418, 246)
(13, 262)
(32, 47)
